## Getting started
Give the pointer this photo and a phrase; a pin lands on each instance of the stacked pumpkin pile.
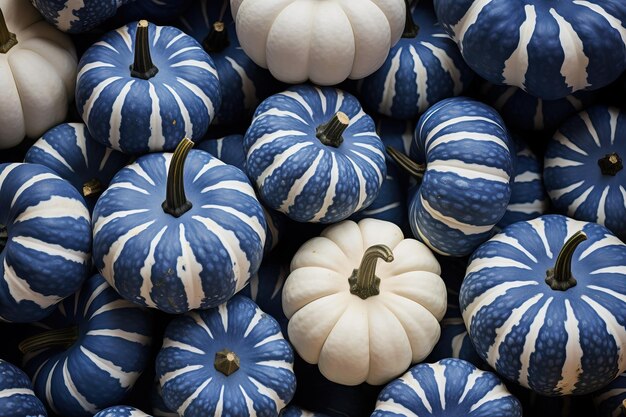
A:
(375, 207)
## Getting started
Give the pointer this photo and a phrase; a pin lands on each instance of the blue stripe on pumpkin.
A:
(17, 398)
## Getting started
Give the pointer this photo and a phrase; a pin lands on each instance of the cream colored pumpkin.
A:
(324, 41)
(37, 74)
(371, 339)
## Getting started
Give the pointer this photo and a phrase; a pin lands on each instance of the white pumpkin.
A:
(324, 41)
(361, 320)
(37, 74)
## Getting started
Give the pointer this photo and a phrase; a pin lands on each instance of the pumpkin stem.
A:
(611, 164)
(217, 39)
(364, 282)
(143, 67)
(330, 133)
(92, 187)
(7, 39)
(63, 338)
(176, 202)
(226, 362)
(411, 29)
(560, 277)
(412, 168)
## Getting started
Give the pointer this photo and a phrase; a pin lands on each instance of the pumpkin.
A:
(121, 411)
(359, 321)
(295, 411)
(77, 16)
(550, 50)
(242, 82)
(144, 87)
(228, 361)
(159, 409)
(160, 249)
(17, 398)
(583, 170)
(89, 353)
(528, 195)
(314, 154)
(450, 387)
(70, 151)
(611, 400)
(324, 42)
(544, 303)
(461, 156)
(45, 238)
(37, 73)
(424, 67)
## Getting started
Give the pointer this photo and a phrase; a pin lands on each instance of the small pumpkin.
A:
(143, 87)
(17, 398)
(610, 401)
(450, 387)
(231, 360)
(359, 321)
(544, 304)
(77, 16)
(121, 411)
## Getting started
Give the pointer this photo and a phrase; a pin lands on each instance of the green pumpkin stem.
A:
(411, 29)
(226, 362)
(611, 164)
(364, 283)
(62, 338)
(7, 39)
(217, 39)
(560, 277)
(412, 168)
(92, 187)
(330, 133)
(143, 67)
(176, 202)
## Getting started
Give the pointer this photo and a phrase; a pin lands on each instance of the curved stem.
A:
(7, 39)
(611, 164)
(176, 202)
(364, 282)
(412, 168)
(63, 338)
(411, 30)
(226, 362)
(330, 133)
(560, 277)
(217, 39)
(143, 67)
(92, 187)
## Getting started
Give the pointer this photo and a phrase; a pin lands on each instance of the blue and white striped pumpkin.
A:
(555, 342)
(17, 398)
(466, 186)
(295, 173)
(550, 49)
(575, 180)
(528, 195)
(295, 411)
(105, 346)
(611, 400)
(121, 411)
(421, 69)
(70, 151)
(45, 238)
(77, 16)
(451, 388)
(176, 264)
(242, 82)
(261, 383)
(159, 408)
(136, 115)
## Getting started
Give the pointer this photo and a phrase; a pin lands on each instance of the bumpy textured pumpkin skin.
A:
(17, 398)
(610, 399)
(121, 411)
(553, 342)
(550, 49)
(451, 388)
(264, 382)
(573, 179)
(77, 16)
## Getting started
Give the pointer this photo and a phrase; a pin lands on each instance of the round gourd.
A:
(325, 42)
(450, 387)
(545, 305)
(549, 49)
(583, 169)
(144, 87)
(314, 154)
(89, 353)
(159, 409)
(344, 309)
(424, 67)
(45, 238)
(17, 398)
(227, 361)
(611, 400)
(70, 151)
(77, 16)
(37, 73)
(177, 232)
(121, 411)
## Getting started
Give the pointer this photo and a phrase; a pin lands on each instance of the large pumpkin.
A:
(17, 398)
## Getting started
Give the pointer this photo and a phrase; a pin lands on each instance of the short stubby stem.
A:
(330, 133)
(364, 283)
(63, 338)
(143, 67)
(611, 164)
(411, 30)
(560, 278)
(226, 362)
(92, 187)
(176, 202)
(217, 39)
(7, 39)
(412, 168)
